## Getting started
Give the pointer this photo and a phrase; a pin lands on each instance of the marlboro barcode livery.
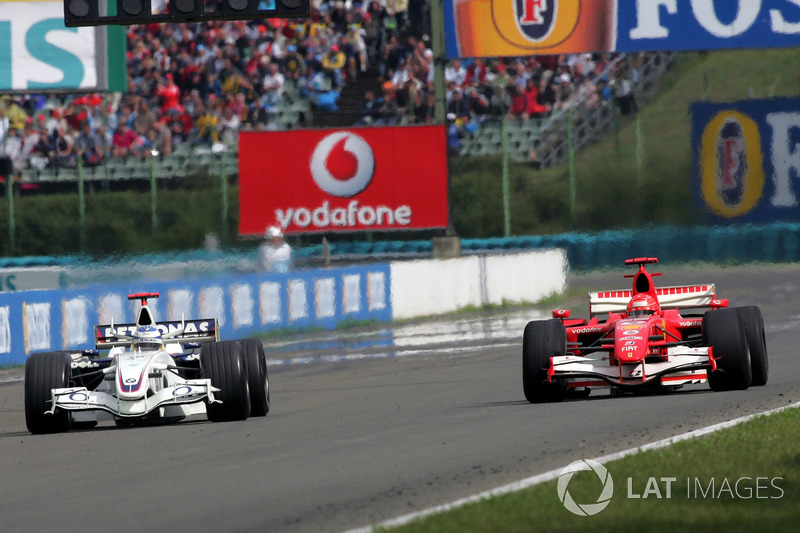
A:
(643, 339)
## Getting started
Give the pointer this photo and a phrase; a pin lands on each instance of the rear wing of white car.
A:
(202, 330)
(683, 297)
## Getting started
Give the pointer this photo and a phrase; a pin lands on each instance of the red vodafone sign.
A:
(343, 180)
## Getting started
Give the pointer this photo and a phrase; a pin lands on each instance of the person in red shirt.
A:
(533, 108)
(125, 142)
(169, 94)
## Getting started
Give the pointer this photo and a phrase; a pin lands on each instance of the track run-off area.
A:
(369, 425)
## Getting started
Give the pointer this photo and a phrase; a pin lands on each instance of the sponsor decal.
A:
(78, 397)
(630, 332)
(581, 331)
(85, 364)
(689, 323)
(194, 327)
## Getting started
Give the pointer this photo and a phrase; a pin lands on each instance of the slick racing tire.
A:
(724, 330)
(224, 364)
(44, 372)
(256, 361)
(757, 342)
(542, 340)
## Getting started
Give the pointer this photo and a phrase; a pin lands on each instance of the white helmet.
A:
(147, 338)
(272, 232)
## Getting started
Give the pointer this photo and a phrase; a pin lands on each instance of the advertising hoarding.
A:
(374, 179)
(38, 53)
(493, 28)
(747, 159)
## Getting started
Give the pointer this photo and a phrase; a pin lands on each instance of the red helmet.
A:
(642, 305)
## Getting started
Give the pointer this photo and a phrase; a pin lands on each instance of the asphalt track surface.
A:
(351, 442)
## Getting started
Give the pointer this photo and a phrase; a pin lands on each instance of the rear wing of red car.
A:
(681, 297)
(202, 330)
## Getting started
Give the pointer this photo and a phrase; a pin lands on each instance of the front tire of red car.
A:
(757, 342)
(542, 340)
(724, 330)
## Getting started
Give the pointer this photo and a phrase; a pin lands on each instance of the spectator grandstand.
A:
(193, 86)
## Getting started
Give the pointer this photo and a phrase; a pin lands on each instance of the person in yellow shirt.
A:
(14, 112)
(207, 125)
(332, 64)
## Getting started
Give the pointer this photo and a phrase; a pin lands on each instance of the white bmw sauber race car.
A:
(147, 373)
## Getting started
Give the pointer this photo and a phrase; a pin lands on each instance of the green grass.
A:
(759, 448)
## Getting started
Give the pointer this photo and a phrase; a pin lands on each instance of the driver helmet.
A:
(147, 338)
(642, 305)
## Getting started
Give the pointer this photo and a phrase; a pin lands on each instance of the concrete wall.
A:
(429, 287)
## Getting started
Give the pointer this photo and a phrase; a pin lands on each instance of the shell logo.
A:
(731, 164)
(343, 164)
(539, 23)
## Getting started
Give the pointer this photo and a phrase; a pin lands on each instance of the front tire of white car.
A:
(224, 364)
(542, 340)
(44, 372)
(256, 361)
(724, 330)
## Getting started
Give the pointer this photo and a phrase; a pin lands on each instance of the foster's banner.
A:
(747, 159)
(527, 27)
(374, 179)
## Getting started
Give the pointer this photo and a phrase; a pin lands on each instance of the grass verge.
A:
(743, 478)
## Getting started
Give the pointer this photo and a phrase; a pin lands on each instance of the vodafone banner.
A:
(356, 179)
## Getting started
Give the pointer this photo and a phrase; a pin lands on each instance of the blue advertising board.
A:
(747, 159)
(244, 305)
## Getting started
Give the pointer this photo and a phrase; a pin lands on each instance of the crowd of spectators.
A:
(200, 84)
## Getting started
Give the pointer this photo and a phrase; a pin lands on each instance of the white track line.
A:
(553, 474)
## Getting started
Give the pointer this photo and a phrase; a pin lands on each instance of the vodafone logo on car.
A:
(343, 165)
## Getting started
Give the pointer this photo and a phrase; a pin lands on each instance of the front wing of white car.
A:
(181, 394)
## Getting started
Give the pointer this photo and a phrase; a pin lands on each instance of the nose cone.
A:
(630, 340)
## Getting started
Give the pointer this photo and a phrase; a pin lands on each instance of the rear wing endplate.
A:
(202, 330)
(681, 297)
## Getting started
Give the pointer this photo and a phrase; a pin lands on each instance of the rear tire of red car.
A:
(724, 330)
(542, 340)
(256, 361)
(224, 364)
(44, 372)
(757, 342)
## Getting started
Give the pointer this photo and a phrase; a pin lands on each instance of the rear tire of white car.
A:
(724, 330)
(224, 364)
(757, 342)
(44, 372)
(542, 340)
(256, 361)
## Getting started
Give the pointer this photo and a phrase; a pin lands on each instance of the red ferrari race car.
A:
(643, 339)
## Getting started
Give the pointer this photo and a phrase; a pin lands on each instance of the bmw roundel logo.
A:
(343, 164)
(130, 380)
